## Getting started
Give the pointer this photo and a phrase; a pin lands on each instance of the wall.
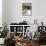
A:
(16, 13)
(13, 11)
(39, 10)
(4, 11)
(0, 13)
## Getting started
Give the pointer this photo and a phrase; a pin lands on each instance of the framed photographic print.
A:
(26, 9)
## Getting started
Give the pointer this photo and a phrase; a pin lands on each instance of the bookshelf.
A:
(18, 29)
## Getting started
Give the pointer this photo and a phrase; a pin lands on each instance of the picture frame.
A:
(26, 9)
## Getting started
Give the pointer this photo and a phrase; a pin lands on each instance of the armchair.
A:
(42, 37)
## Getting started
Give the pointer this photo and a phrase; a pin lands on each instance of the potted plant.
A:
(3, 34)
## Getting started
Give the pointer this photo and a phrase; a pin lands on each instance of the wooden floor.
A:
(1, 45)
(42, 45)
(34, 44)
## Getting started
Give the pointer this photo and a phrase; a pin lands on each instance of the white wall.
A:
(4, 11)
(39, 10)
(13, 11)
(16, 13)
(0, 13)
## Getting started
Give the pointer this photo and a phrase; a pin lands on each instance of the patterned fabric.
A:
(23, 44)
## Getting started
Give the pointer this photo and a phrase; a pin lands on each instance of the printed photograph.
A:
(26, 9)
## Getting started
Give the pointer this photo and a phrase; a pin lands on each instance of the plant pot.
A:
(2, 40)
